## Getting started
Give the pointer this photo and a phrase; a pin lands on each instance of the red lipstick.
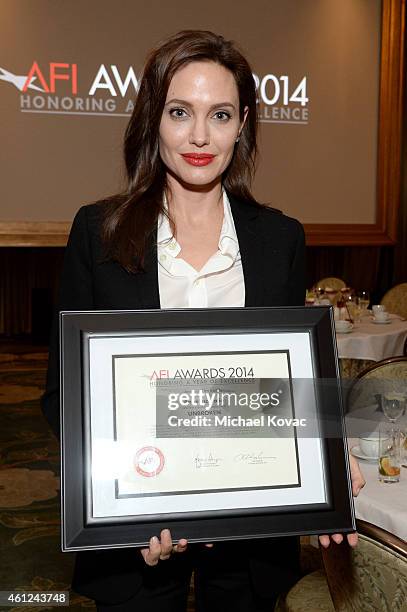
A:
(198, 159)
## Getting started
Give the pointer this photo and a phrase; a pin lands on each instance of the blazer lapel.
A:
(251, 247)
(148, 281)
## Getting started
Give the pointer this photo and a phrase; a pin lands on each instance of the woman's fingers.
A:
(151, 554)
(181, 546)
(166, 544)
(324, 540)
(337, 538)
(162, 549)
(167, 547)
(352, 539)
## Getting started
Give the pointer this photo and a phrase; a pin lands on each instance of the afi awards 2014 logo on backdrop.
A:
(57, 88)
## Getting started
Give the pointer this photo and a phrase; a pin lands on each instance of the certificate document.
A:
(207, 424)
(194, 423)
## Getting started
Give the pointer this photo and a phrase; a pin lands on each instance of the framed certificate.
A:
(217, 423)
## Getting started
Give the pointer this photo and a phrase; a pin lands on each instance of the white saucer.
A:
(376, 322)
(356, 452)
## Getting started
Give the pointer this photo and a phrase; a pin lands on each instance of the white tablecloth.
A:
(373, 341)
(382, 504)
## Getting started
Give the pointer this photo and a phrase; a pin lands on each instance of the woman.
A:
(186, 233)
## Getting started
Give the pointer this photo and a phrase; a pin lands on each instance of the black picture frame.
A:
(81, 532)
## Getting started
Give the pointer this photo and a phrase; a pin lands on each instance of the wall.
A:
(318, 154)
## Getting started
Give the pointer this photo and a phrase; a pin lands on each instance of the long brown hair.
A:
(130, 218)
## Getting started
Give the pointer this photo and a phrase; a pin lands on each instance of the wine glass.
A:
(393, 405)
(310, 297)
(352, 308)
(363, 301)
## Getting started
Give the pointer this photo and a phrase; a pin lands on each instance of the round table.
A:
(369, 342)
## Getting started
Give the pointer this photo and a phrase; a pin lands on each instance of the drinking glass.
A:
(363, 301)
(352, 308)
(393, 405)
(310, 297)
(356, 308)
(389, 455)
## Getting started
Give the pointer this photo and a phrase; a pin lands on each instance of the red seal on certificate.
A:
(149, 461)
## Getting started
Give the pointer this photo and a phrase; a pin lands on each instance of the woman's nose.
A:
(199, 134)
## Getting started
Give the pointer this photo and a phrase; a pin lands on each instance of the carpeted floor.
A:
(31, 559)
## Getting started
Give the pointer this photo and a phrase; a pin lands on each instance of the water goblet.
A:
(393, 405)
(355, 308)
(352, 308)
(363, 301)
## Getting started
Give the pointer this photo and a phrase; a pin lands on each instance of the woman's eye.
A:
(178, 113)
(222, 115)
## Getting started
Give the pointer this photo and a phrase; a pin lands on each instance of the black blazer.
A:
(273, 259)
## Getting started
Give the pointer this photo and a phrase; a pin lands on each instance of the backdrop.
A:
(69, 72)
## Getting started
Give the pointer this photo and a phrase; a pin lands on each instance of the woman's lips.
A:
(198, 159)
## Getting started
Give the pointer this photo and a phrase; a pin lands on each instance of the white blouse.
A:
(219, 283)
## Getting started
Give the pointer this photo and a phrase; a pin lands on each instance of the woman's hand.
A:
(358, 482)
(163, 548)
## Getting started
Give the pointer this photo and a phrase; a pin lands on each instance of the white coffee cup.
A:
(343, 326)
(378, 308)
(381, 315)
(369, 444)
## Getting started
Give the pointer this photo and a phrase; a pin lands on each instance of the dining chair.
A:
(333, 282)
(370, 577)
(375, 380)
(395, 300)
